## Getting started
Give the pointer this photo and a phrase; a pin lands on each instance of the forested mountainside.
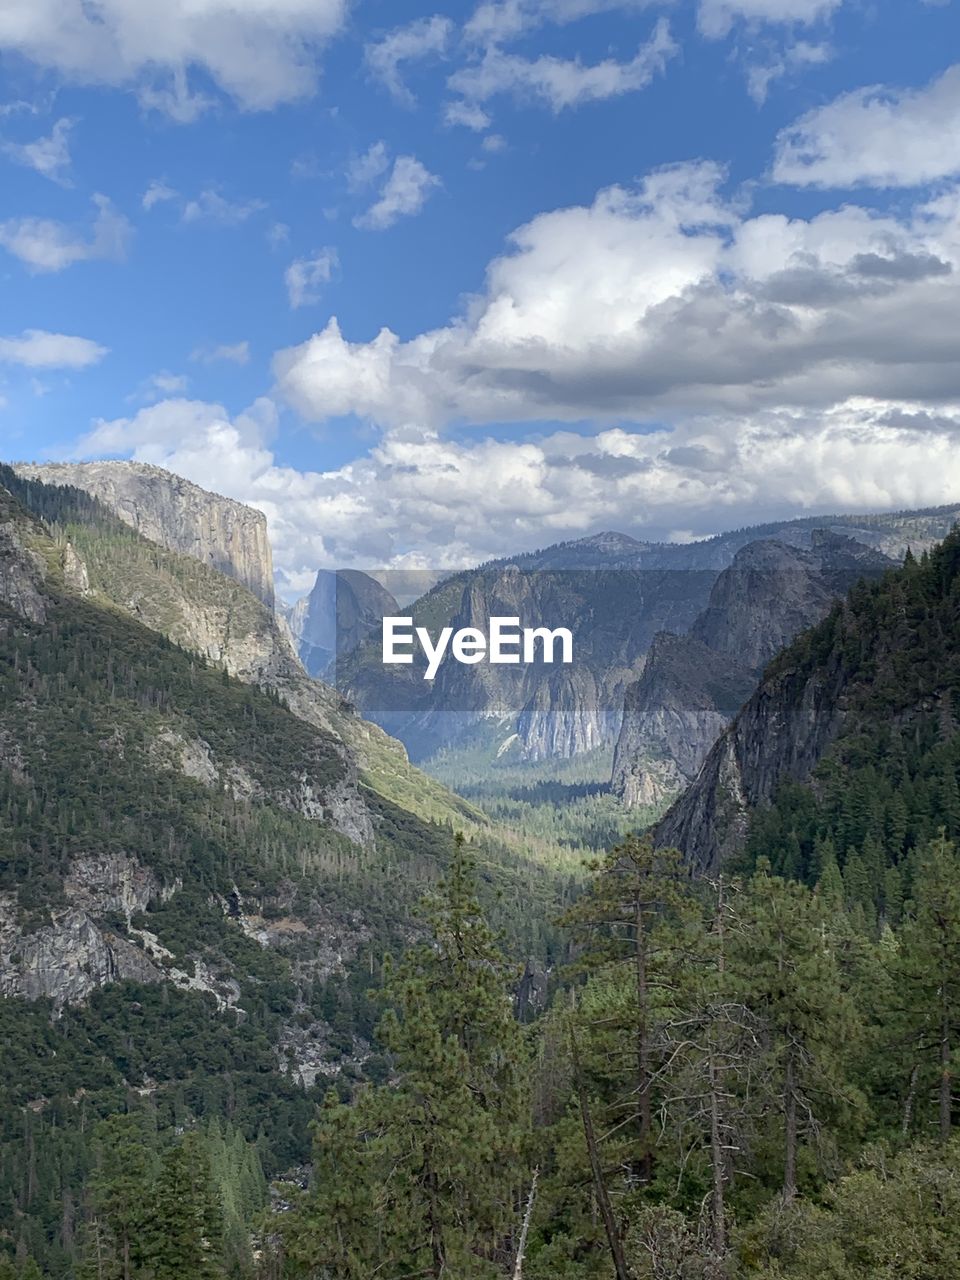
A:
(692, 685)
(849, 747)
(212, 614)
(198, 886)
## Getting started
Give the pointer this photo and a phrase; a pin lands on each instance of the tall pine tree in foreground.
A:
(423, 1176)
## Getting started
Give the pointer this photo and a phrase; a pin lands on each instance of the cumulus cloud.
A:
(38, 349)
(403, 194)
(562, 82)
(716, 17)
(429, 501)
(666, 298)
(467, 114)
(306, 277)
(43, 244)
(159, 386)
(259, 53)
(876, 137)
(420, 39)
(49, 156)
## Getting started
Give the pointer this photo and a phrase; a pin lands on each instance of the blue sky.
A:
(430, 283)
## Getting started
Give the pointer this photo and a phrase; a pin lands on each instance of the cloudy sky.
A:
(431, 282)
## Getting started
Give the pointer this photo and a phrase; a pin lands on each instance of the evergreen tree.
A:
(635, 925)
(186, 1230)
(789, 977)
(422, 1177)
(928, 974)
(121, 1193)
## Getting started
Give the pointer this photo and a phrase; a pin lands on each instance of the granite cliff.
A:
(179, 515)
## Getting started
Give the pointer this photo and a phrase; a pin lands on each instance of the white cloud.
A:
(159, 386)
(434, 502)
(259, 53)
(210, 206)
(365, 169)
(498, 21)
(306, 277)
(235, 353)
(403, 195)
(560, 82)
(48, 156)
(38, 349)
(419, 39)
(158, 192)
(278, 235)
(494, 142)
(45, 245)
(667, 299)
(876, 137)
(467, 114)
(802, 53)
(716, 17)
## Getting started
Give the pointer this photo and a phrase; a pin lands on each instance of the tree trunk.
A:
(909, 1100)
(790, 1129)
(946, 1079)
(596, 1169)
(643, 1059)
(718, 1229)
(525, 1230)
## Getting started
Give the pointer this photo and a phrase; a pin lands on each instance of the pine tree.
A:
(422, 1176)
(186, 1231)
(121, 1192)
(633, 925)
(788, 976)
(928, 972)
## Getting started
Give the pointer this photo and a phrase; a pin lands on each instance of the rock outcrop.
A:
(75, 950)
(780, 735)
(671, 716)
(549, 709)
(165, 508)
(693, 685)
(662, 587)
(21, 574)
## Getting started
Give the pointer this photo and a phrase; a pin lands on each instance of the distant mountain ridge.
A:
(565, 713)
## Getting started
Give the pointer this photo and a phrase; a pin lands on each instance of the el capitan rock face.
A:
(693, 685)
(165, 508)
